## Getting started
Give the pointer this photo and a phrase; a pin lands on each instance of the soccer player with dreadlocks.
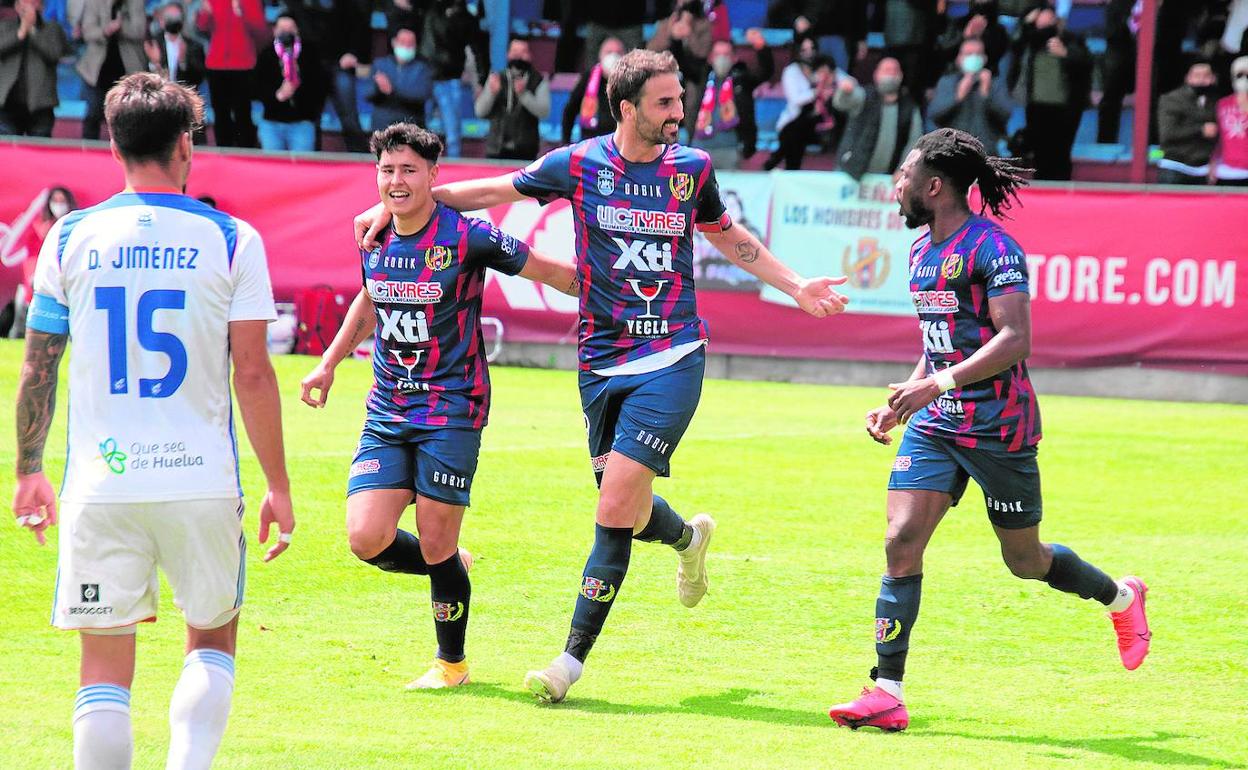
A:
(970, 412)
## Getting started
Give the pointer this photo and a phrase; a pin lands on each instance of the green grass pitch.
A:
(1003, 672)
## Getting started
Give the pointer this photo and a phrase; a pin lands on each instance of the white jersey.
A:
(146, 285)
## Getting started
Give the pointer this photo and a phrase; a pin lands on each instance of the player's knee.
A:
(367, 542)
(437, 547)
(1027, 564)
(904, 550)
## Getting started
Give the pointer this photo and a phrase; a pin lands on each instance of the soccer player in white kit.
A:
(159, 293)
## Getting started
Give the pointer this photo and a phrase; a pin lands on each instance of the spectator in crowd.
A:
(811, 83)
(686, 33)
(1231, 168)
(1235, 34)
(972, 98)
(59, 202)
(404, 14)
(1052, 76)
(587, 101)
(1117, 66)
(839, 26)
(982, 22)
(174, 54)
(515, 99)
(236, 28)
(721, 22)
(911, 28)
(449, 30)
(340, 32)
(884, 128)
(291, 85)
(1187, 120)
(29, 50)
(114, 31)
(725, 124)
(619, 19)
(402, 83)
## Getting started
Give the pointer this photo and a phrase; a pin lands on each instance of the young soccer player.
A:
(970, 413)
(431, 396)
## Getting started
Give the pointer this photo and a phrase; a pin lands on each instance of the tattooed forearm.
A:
(36, 397)
(747, 252)
(574, 288)
(362, 329)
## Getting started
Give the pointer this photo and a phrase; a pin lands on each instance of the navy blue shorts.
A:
(438, 464)
(1010, 480)
(641, 416)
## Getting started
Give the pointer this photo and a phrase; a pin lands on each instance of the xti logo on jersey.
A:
(635, 243)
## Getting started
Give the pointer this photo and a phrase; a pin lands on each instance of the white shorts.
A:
(108, 554)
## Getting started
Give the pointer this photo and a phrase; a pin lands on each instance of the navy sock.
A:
(604, 573)
(1073, 575)
(402, 555)
(665, 526)
(450, 590)
(896, 609)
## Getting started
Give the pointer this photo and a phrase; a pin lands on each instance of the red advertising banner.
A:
(1118, 276)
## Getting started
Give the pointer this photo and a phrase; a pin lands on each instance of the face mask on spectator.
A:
(889, 84)
(609, 61)
(404, 53)
(972, 63)
(287, 39)
(721, 65)
(1240, 84)
(173, 24)
(58, 208)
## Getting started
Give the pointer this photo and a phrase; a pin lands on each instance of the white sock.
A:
(1126, 595)
(570, 664)
(199, 709)
(694, 540)
(890, 686)
(102, 736)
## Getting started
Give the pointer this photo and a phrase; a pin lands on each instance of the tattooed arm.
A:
(34, 502)
(814, 295)
(356, 327)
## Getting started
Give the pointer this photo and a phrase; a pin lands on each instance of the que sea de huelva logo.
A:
(112, 456)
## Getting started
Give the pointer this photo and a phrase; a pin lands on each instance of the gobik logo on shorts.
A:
(448, 612)
(90, 593)
(597, 590)
(886, 630)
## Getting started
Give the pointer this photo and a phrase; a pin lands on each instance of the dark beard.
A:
(918, 215)
(651, 132)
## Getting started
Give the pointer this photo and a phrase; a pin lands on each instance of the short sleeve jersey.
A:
(429, 355)
(950, 285)
(146, 285)
(634, 243)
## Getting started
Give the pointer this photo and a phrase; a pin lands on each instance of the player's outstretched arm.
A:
(356, 327)
(1011, 316)
(255, 384)
(34, 502)
(814, 295)
(474, 194)
(555, 273)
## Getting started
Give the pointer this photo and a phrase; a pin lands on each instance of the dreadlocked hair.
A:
(960, 158)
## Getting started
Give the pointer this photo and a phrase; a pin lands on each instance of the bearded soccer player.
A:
(422, 293)
(159, 293)
(636, 195)
(970, 413)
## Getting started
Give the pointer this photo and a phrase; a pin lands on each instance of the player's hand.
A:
(321, 378)
(368, 225)
(912, 395)
(817, 297)
(276, 509)
(34, 504)
(879, 422)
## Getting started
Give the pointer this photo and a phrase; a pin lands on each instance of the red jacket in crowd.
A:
(236, 26)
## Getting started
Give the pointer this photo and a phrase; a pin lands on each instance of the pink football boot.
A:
(874, 708)
(1132, 627)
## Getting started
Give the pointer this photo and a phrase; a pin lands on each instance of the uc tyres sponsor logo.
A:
(404, 292)
(935, 301)
(365, 467)
(901, 463)
(642, 221)
(1163, 281)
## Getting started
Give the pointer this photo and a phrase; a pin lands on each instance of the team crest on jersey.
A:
(886, 630)
(448, 612)
(682, 186)
(374, 257)
(951, 266)
(437, 257)
(868, 268)
(597, 590)
(606, 181)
